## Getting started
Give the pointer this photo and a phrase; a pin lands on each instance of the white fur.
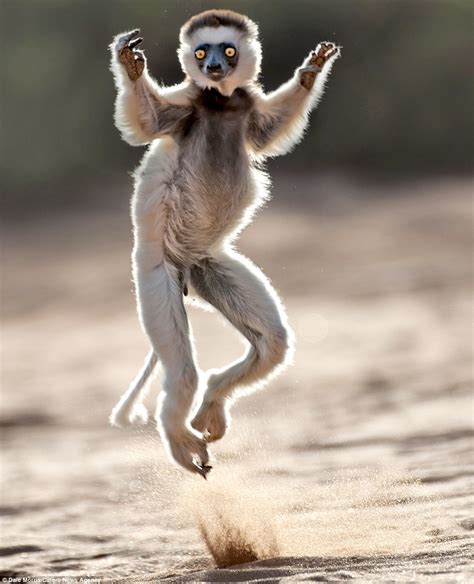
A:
(295, 103)
(222, 34)
(187, 221)
(248, 47)
(130, 408)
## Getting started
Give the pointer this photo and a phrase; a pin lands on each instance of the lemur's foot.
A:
(139, 415)
(318, 58)
(132, 58)
(212, 420)
(189, 449)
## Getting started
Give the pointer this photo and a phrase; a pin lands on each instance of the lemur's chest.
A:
(213, 162)
(214, 142)
(210, 102)
(218, 121)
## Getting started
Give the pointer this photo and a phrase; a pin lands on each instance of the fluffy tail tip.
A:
(124, 416)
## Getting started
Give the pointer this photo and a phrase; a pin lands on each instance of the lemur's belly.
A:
(184, 210)
(215, 181)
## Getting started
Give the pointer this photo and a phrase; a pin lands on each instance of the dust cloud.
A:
(363, 513)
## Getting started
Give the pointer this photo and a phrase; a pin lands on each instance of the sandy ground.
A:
(356, 464)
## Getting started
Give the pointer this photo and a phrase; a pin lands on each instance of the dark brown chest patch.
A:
(210, 100)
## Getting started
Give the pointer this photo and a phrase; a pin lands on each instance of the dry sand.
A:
(356, 464)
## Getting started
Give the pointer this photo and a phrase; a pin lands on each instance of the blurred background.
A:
(368, 239)
(398, 107)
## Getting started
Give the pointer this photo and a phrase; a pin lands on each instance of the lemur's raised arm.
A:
(281, 117)
(143, 110)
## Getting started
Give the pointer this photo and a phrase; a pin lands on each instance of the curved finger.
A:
(122, 40)
(134, 43)
(130, 35)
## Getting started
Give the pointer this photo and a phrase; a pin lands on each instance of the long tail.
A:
(130, 409)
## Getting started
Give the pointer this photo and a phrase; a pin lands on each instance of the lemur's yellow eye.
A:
(230, 52)
(200, 54)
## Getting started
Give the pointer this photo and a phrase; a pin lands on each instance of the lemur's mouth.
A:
(216, 75)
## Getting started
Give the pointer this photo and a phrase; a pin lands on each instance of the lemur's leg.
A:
(163, 316)
(130, 408)
(241, 292)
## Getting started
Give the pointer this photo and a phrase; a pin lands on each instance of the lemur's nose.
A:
(214, 67)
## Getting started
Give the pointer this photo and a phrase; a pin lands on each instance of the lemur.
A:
(198, 185)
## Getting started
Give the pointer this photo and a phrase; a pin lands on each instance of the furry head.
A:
(220, 49)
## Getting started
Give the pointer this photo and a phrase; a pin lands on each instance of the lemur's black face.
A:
(216, 61)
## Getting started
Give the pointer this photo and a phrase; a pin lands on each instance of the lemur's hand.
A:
(316, 61)
(132, 58)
